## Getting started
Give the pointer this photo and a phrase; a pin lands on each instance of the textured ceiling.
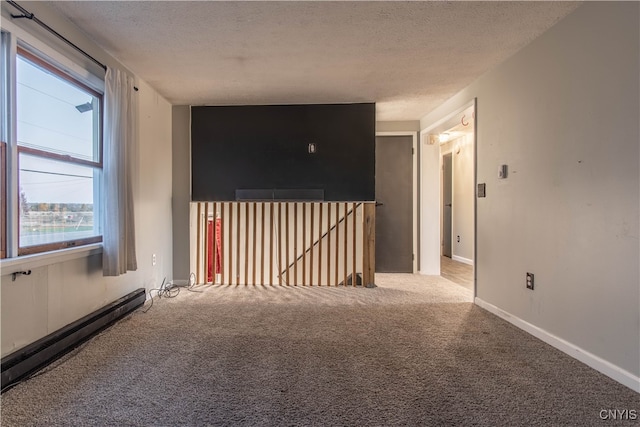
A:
(408, 57)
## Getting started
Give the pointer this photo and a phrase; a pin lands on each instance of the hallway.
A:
(458, 272)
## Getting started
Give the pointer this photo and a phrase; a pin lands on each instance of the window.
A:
(52, 197)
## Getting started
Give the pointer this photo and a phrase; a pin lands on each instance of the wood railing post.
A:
(304, 244)
(295, 244)
(286, 260)
(328, 244)
(346, 243)
(321, 208)
(199, 241)
(280, 245)
(262, 215)
(206, 243)
(369, 244)
(354, 208)
(311, 237)
(223, 230)
(253, 252)
(231, 237)
(337, 242)
(238, 230)
(246, 242)
(271, 247)
(214, 266)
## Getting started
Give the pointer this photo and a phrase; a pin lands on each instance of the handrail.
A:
(322, 237)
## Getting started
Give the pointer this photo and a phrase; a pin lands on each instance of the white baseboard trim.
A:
(461, 259)
(607, 368)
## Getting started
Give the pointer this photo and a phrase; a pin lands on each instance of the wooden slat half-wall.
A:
(285, 243)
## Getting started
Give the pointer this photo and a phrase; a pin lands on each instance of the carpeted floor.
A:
(413, 351)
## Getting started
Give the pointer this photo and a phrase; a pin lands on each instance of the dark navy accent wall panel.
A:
(265, 151)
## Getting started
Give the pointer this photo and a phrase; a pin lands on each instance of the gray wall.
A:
(563, 114)
(181, 163)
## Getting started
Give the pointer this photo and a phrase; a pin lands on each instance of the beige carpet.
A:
(392, 289)
(413, 351)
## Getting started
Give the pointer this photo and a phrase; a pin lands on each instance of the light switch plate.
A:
(482, 190)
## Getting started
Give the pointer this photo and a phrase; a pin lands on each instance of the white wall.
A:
(463, 194)
(61, 292)
(153, 201)
(563, 114)
(430, 207)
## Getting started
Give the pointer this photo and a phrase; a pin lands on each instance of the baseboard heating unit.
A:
(35, 356)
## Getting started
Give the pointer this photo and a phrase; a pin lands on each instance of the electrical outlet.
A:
(153, 259)
(530, 281)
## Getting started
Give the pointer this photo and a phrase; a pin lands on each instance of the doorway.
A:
(457, 157)
(454, 134)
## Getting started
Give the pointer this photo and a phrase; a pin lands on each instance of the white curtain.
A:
(120, 139)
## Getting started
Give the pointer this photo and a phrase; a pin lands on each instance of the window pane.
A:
(56, 201)
(53, 114)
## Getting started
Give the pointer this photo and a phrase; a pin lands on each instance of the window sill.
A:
(27, 262)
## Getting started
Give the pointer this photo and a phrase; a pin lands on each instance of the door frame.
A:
(414, 213)
(432, 186)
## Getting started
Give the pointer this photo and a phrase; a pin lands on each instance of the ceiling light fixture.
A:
(444, 137)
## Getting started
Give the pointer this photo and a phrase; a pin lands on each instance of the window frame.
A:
(11, 150)
(3, 200)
